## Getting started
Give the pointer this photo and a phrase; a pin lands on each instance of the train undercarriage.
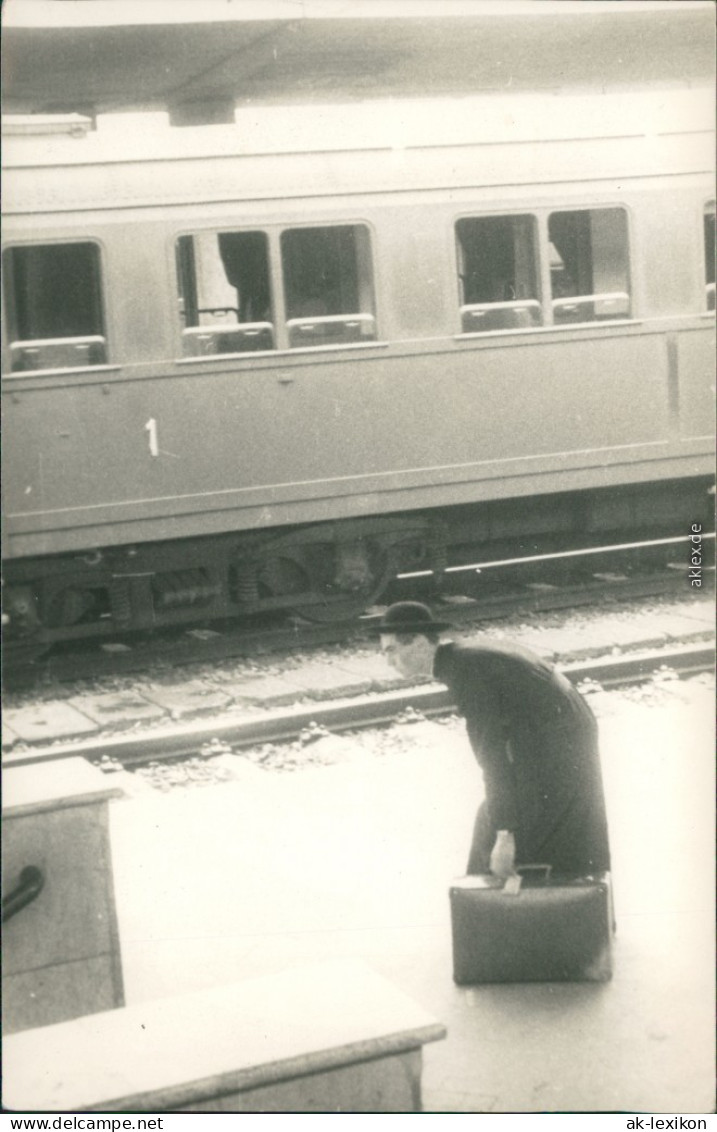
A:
(329, 572)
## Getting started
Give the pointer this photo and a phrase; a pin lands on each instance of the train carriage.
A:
(270, 365)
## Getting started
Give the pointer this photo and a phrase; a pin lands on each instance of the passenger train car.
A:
(270, 365)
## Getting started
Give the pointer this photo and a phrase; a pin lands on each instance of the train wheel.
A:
(344, 607)
(330, 582)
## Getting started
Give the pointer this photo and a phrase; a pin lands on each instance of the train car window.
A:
(589, 265)
(328, 285)
(53, 306)
(710, 254)
(224, 292)
(497, 273)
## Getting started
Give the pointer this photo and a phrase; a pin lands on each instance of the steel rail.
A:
(527, 559)
(377, 710)
(237, 639)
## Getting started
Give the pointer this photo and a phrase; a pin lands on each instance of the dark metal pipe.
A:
(31, 884)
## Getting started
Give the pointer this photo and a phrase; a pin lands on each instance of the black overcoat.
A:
(535, 739)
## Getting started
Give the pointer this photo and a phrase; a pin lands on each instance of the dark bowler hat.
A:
(410, 617)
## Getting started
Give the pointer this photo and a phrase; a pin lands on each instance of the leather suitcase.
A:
(550, 929)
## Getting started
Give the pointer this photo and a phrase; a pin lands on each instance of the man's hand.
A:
(502, 858)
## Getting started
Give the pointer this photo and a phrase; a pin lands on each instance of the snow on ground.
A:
(354, 857)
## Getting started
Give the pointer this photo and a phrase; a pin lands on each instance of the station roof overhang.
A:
(108, 56)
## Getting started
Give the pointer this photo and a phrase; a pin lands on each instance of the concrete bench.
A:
(61, 955)
(335, 1037)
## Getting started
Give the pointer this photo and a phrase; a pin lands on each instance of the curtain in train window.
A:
(497, 274)
(328, 285)
(710, 255)
(589, 265)
(53, 306)
(224, 293)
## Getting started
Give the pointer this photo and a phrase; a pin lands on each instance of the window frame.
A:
(541, 215)
(10, 312)
(629, 294)
(274, 232)
(517, 305)
(353, 316)
(198, 331)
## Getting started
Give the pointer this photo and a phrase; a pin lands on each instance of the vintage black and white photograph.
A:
(358, 502)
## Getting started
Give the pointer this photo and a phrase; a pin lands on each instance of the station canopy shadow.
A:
(199, 62)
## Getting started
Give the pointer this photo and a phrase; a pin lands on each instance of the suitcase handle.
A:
(545, 869)
(513, 883)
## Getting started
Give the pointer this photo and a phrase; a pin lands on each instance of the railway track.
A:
(367, 711)
(497, 590)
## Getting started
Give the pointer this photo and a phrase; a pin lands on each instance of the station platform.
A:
(272, 871)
